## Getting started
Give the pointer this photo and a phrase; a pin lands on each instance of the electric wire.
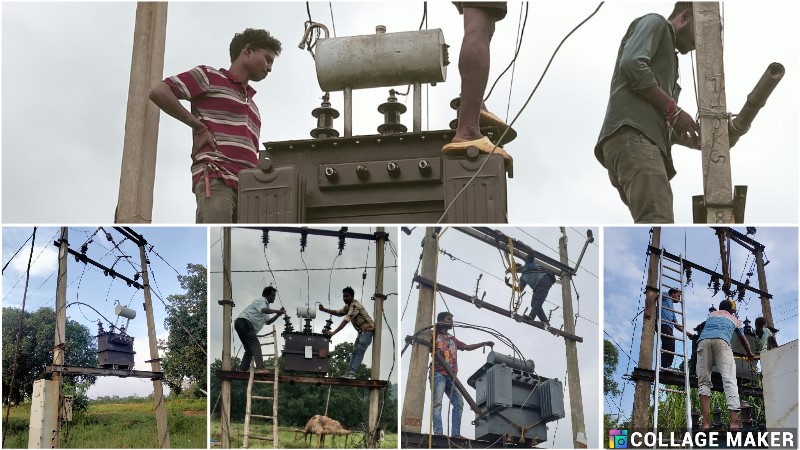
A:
(524, 105)
(44, 247)
(514, 60)
(18, 250)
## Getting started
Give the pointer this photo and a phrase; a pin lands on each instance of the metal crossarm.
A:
(670, 263)
(267, 398)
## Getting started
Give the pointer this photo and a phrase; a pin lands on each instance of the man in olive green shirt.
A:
(643, 119)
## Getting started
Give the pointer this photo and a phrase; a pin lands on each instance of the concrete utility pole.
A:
(60, 335)
(137, 177)
(375, 371)
(414, 400)
(766, 308)
(573, 373)
(715, 145)
(642, 394)
(227, 308)
(155, 361)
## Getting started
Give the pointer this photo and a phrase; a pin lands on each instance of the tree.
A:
(185, 350)
(35, 349)
(610, 361)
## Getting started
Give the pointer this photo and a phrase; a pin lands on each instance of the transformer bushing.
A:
(519, 403)
(325, 115)
(391, 111)
(287, 324)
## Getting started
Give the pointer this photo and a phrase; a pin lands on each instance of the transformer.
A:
(743, 369)
(306, 352)
(519, 403)
(114, 350)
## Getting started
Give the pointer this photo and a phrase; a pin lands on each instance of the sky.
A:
(87, 284)
(298, 286)
(625, 277)
(546, 350)
(66, 68)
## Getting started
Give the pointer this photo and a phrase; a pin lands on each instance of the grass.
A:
(286, 438)
(121, 425)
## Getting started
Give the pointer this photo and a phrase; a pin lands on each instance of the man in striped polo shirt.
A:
(225, 121)
(355, 313)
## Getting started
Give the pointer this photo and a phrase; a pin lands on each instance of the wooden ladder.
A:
(273, 398)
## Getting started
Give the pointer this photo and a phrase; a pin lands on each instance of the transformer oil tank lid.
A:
(510, 361)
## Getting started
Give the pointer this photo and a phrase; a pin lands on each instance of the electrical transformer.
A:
(305, 351)
(114, 350)
(519, 403)
(743, 368)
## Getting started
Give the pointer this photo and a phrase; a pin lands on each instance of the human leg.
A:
(723, 355)
(705, 361)
(636, 169)
(252, 347)
(439, 385)
(668, 344)
(473, 65)
(363, 341)
(457, 403)
(219, 206)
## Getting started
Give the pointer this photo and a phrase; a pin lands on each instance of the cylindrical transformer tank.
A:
(510, 361)
(381, 60)
(306, 312)
(127, 313)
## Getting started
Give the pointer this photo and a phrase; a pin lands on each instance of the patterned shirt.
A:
(721, 325)
(225, 106)
(447, 345)
(356, 314)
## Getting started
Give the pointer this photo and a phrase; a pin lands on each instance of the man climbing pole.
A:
(643, 119)
(668, 320)
(473, 65)
(540, 281)
(225, 122)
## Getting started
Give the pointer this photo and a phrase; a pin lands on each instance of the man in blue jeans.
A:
(355, 313)
(447, 346)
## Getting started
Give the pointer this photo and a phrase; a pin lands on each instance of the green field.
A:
(121, 425)
(287, 439)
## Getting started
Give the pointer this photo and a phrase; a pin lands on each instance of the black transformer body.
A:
(115, 350)
(306, 352)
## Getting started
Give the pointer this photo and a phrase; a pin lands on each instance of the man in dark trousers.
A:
(447, 346)
(540, 281)
(668, 320)
(473, 65)
(250, 322)
(355, 313)
(224, 119)
(643, 118)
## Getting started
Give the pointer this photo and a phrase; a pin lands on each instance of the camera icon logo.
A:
(617, 438)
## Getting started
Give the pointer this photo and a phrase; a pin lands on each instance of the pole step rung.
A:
(261, 438)
(683, 355)
(259, 416)
(264, 381)
(671, 278)
(266, 343)
(673, 390)
(261, 397)
(673, 310)
(671, 322)
(672, 337)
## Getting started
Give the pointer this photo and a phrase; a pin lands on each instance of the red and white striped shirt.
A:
(225, 105)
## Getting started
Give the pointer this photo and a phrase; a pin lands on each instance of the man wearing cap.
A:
(714, 349)
(355, 313)
(249, 323)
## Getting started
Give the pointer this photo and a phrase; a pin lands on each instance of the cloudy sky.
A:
(625, 277)
(546, 350)
(66, 68)
(298, 286)
(87, 284)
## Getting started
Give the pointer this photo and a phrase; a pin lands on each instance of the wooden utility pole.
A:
(573, 373)
(766, 308)
(227, 309)
(155, 361)
(642, 395)
(137, 177)
(414, 400)
(714, 142)
(375, 371)
(60, 335)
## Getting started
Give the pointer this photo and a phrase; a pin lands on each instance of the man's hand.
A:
(328, 333)
(202, 141)
(489, 343)
(282, 311)
(321, 308)
(686, 131)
